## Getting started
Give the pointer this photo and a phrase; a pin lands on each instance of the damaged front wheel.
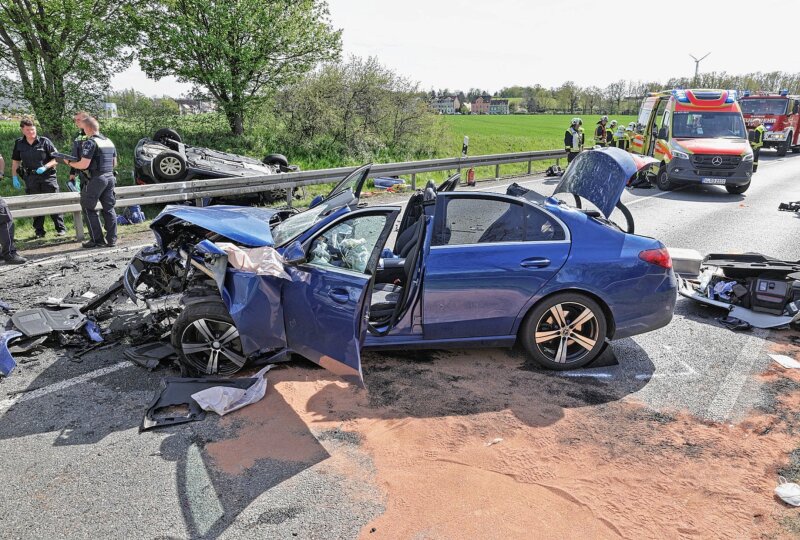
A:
(207, 340)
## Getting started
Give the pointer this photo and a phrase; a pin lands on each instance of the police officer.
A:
(76, 177)
(600, 132)
(756, 141)
(573, 140)
(98, 158)
(35, 154)
(8, 251)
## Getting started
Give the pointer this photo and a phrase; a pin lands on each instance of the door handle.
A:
(535, 262)
(339, 295)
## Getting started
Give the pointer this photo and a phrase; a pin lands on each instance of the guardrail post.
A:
(198, 203)
(414, 181)
(77, 220)
(558, 162)
(289, 197)
(497, 171)
(529, 166)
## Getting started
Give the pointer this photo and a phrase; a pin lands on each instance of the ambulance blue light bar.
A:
(784, 92)
(731, 96)
(680, 95)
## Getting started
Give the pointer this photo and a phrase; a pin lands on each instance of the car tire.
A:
(737, 190)
(169, 166)
(662, 180)
(784, 147)
(541, 332)
(206, 340)
(276, 159)
(167, 133)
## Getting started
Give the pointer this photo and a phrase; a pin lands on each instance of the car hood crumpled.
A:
(600, 176)
(241, 224)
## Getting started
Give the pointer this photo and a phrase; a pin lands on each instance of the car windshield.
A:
(764, 106)
(708, 125)
(296, 224)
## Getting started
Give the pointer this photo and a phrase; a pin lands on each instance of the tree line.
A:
(623, 96)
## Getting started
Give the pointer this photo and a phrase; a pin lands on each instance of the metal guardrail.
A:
(61, 203)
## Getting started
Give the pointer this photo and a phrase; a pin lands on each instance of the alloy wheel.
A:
(170, 166)
(567, 332)
(213, 347)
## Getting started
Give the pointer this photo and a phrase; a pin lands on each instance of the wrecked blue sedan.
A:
(464, 269)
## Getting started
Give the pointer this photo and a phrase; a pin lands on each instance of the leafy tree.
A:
(62, 53)
(238, 51)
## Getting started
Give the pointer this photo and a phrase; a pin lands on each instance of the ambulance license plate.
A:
(717, 181)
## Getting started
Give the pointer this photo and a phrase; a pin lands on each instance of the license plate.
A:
(718, 181)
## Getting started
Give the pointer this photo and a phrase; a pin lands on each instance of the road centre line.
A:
(62, 385)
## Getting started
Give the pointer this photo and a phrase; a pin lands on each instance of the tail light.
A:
(659, 257)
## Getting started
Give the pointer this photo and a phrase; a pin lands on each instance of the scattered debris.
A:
(494, 441)
(224, 399)
(150, 355)
(789, 492)
(785, 361)
(173, 404)
(7, 363)
(38, 321)
(26, 344)
(732, 323)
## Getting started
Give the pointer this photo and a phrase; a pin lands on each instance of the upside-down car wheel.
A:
(565, 331)
(207, 340)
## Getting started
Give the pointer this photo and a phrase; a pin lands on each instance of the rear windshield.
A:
(708, 125)
(763, 106)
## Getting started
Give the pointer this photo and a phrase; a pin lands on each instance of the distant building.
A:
(481, 105)
(446, 105)
(195, 106)
(498, 106)
(110, 110)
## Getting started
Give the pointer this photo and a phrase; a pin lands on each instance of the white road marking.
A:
(62, 385)
(738, 374)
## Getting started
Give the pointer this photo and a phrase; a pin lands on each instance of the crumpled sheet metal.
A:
(7, 362)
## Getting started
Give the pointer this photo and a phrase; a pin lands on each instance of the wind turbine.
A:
(697, 65)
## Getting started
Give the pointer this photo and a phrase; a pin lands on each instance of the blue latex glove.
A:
(41, 170)
(15, 181)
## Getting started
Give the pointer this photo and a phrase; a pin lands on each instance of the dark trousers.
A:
(36, 186)
(571, 156)
(6, 231)
(756, 151)
(100, 189)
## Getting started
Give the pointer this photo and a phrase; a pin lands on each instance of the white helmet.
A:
(613, 123)
(575, 122)
(632, 126)
(604, 118)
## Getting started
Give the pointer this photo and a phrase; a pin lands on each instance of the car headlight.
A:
(747, 157)
(680, 155)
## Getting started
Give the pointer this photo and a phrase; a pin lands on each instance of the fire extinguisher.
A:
(471, 177)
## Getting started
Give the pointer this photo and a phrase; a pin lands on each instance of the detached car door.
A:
(326, 303)
(490, 254)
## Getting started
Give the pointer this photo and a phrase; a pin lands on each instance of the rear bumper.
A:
(682, 171)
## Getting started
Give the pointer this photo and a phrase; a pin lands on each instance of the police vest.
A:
(103, 158)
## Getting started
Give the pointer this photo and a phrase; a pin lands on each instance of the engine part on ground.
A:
(150, 355)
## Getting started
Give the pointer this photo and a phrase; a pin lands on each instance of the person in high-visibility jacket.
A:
(628, 137)
(600, 136)
(573, 139)
(611, 129)
(756, 141)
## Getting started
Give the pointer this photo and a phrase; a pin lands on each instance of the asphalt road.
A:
(75, 466)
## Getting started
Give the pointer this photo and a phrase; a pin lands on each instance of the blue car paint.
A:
(7, 362)
(600, 176)
(241, 224)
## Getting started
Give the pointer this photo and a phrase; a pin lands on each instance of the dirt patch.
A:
(500, 451)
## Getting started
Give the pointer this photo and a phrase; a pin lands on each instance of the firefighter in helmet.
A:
(573, 139)
(600, 137)
(756, 137)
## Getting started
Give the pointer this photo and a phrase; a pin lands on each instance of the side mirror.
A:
(294, 254)
(662, 133)
(796, 108)
(316, 200)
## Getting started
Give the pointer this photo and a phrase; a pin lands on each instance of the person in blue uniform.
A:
(98, 158)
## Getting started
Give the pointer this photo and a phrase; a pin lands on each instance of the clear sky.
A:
(492, 44)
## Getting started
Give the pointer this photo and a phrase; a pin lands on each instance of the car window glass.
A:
(477, 221)
(539, 227)
(348, 244)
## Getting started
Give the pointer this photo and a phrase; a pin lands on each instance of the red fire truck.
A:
(780, 114)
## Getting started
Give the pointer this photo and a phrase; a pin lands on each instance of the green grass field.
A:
(488, 135)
